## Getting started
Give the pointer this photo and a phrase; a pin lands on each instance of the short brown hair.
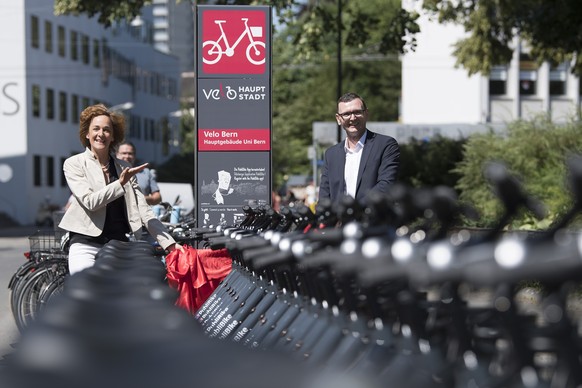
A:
(350, 97)
(117, 121)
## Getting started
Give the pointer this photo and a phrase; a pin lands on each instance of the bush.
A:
(429, 163)
(535, 151)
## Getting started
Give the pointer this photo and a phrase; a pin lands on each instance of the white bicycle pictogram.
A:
(212, 51)
(230, 92)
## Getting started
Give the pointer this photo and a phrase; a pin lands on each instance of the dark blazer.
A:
(378, 167)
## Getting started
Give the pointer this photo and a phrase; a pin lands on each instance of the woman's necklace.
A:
(106, 171)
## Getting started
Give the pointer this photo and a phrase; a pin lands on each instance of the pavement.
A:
(13, 243)
(19, 230)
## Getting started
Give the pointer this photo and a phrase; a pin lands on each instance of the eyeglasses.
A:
(347, 115)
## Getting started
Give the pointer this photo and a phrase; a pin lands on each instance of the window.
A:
(145, 80)
(527, 83)
(153, 130)
(85, 48)
(74, 45)
(153, 83)
(48, 37)
(34, 32)
(62, 41)
(106, 63)
(63, 179)
(165, 138)
(75, 108)
(50, 171)
(85, 102)
(36, 100)
(37, 164)
(528, 74)
(63, 106)
(498, 81)
(136, 124)
(50, 104)
(558, 80)
(96, 53)
(132, 121)
(173, 88)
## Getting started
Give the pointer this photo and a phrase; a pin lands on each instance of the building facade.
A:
(55, 66)
(435, 91)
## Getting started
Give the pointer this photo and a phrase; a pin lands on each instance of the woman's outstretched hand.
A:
(128, 173)
(175, 246)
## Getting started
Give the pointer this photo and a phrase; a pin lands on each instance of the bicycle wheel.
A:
(16, 282)
(28, 298)
(256, 53)
(23, 273)
(51, 290)
(211, 52)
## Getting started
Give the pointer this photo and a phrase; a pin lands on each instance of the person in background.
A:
(310, 195)
(145, 178)
(365, 161)
(275, 200)
(108, 204)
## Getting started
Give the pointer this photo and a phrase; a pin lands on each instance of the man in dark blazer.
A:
(365, 161)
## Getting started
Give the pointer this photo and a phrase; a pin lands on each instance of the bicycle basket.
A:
(257, 32)
(46, 241)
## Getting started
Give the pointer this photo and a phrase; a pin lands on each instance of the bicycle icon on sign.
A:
(212, 51)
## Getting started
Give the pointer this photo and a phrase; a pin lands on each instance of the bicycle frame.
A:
(230, 49)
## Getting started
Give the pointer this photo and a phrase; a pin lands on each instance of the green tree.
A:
(550, 28)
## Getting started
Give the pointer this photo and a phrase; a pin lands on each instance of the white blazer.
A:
(86, 214)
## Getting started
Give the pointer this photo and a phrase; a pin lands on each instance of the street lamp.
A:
(121, 107)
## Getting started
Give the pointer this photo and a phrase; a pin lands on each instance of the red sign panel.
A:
(233, 42)
(234, 140)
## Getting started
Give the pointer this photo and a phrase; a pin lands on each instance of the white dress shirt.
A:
(353, 157)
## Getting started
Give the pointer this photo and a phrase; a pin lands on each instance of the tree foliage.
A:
(552, 30)
(107, 12)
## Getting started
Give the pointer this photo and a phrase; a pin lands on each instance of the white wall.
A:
(12, 81)
(13, 102)
(433, 90)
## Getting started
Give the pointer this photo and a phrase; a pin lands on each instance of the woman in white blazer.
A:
(107, 203)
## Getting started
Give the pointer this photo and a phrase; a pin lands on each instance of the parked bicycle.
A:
(41, 277)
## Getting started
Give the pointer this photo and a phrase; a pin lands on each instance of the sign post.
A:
(233, 118)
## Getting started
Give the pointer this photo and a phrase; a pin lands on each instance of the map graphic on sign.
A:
(234, 42)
